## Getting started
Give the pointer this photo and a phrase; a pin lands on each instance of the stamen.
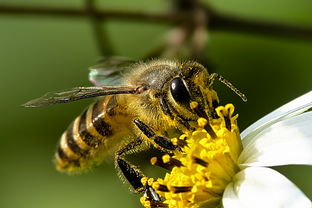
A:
(202, 122)
(180, 142)
(160, 187)
(230, 109)
(181, 189)
(210, 131)
(198, 109)
(166, 165)
(227, 121)
(226, 113)
(200, 161)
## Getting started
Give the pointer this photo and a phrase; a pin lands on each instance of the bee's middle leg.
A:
(162, 142)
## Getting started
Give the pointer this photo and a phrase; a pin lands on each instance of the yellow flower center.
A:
(205, 165)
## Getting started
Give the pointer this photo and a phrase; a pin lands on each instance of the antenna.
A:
(214, 76)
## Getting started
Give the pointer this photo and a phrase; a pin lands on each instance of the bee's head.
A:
(190, 92)
(182, 90)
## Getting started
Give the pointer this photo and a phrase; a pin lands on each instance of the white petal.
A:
(286, 142)
(263, 187)
(292, 108)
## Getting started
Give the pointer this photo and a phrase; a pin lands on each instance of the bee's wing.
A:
(109, 70)
(78, 93)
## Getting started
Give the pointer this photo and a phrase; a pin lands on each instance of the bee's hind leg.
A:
(134, 176)
(130, 172)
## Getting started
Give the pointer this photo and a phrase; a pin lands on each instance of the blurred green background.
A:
(41, 54)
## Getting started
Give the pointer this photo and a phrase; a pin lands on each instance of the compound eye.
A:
(179, 91)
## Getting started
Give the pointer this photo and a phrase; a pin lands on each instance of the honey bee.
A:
(151, 105)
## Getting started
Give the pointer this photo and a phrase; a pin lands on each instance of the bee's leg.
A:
(130, 172)
(134, 175)
(162, 142)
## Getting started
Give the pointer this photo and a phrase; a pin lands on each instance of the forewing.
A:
(78, 93)
(109, 70)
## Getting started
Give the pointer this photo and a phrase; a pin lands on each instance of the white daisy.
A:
(233, 172)
(283, 137)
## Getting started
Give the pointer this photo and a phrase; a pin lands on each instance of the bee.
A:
(153, 102)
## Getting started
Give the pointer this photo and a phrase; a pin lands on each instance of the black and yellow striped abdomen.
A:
(85, 139)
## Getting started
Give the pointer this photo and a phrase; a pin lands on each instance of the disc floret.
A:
(207, 163)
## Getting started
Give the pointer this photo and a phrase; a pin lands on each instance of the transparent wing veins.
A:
(78, 93)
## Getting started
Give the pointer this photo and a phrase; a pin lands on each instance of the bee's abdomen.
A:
(83, 138)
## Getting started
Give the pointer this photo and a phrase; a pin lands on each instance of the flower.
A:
(231, 169)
